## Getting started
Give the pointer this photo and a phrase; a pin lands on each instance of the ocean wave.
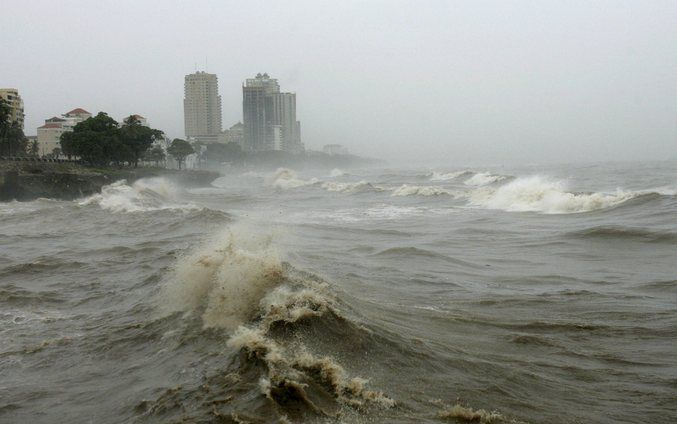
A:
(237, 283)
(483, 178)
(206, 191)
(413, 190)
(537, 194)
(612, 232)
(144, 195)
(440, 176)
(358, 187)
(286, 179)
(460, 413)
(337, 173)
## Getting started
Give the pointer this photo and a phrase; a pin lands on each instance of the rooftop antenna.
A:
(205, 63)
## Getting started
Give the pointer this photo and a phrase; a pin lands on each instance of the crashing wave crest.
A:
(483, 178)
(440, 176)
(144, 195)
(238, 283)
(537, 194)
(413, 190)
(358, 187)
(286, 179)
(337, 173)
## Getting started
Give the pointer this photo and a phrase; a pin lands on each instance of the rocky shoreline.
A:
(67, 181)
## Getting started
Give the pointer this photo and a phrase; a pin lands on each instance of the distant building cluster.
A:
(268, 123)
(49, 134)
(269, 115)
(335, 149)
(11, 96)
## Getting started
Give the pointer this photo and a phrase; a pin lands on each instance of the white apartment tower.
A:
(202, 107)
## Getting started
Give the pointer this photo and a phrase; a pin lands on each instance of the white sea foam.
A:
(225, 279)
(144, 195)
(439, 176)
(538, 194)
(483, 178)
(358, 187)
(381, 212)
(238, 283)
(206, 190)
(336, 173)
(414, 190)
(286, 179)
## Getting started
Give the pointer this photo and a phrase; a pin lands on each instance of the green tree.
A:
(96, 141)
(33, 148)
(179, 149)
(12, 139)
(220, 152)
(137, 138)
(155, 154)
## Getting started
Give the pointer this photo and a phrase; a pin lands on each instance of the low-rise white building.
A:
(234, 134)
(49, 134)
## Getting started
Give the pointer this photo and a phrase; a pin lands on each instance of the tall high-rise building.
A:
(269, 116)
(257, 112)
(202, 107)
(284, 115)
(11, 96)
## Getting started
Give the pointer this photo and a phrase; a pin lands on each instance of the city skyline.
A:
(466, 83)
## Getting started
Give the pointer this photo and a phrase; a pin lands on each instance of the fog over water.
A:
(486, 82)
(513, 260)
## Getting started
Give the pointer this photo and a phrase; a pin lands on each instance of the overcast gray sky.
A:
(457, 81)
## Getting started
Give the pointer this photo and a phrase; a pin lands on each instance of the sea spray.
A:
(225, 279)
(357, 187)
(441, 176)
(466, 414)
(413, 190)
(286, 179)
(539, 194)
(144, 195)
(336, 173)
(483, 178)
(236, 282)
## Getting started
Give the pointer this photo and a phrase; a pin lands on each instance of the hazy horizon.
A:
(481, 82)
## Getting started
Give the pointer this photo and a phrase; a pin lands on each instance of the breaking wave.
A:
(537, 194)
(414, 190)
(439, 176)
(237, 283)
(461, 413)
(287, 179)
(144, 195)
(358, 187)
(336, 173)
(483, 178)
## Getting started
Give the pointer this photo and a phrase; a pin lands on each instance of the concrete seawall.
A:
(29, 181)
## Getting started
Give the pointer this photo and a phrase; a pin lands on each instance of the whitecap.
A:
(483, 178)
(538, 194)
(413, 190)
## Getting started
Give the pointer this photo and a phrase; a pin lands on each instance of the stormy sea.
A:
(534, 294)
